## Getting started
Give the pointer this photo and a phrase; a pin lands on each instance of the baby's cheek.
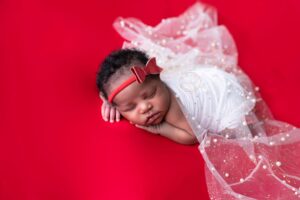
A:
(125, 116)
(131, 117)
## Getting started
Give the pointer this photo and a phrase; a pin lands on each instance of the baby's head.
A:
(144, 103)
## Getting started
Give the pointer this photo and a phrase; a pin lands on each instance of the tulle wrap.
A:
(248, 154)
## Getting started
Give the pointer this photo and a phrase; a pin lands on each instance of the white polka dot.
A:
(278, 163)
(264, 166)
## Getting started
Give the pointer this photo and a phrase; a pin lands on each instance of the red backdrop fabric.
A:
(53, 141)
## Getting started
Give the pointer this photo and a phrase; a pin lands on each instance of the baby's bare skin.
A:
(108, 112)
(174, 126)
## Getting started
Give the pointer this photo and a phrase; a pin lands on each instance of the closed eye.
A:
(129, 108)
(152, 93)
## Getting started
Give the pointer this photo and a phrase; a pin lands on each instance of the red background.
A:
(53, 141)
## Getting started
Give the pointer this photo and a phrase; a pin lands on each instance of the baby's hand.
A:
(108, 112)
(156, 129)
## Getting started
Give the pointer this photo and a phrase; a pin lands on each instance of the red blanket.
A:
(53, 141)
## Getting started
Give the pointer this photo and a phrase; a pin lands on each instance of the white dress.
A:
(248, 154)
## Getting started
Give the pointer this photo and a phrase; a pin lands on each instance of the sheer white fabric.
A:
(248, 154)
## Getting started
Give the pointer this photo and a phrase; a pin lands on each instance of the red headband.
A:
(139, 75)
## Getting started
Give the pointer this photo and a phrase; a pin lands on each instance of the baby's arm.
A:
(173, 133)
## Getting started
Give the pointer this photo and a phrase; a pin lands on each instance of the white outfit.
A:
(248, 154)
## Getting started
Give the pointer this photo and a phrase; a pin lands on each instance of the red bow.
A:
(150, 68)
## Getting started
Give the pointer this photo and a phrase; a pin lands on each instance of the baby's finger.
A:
(118, 115)
(101, 97)
(147, 128)
(106, 112)
(102, 109)
(142, 127)
(112, 114)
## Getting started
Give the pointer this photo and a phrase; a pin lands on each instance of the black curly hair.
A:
(116, 64)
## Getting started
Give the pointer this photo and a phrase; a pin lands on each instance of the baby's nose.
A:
(146, 108)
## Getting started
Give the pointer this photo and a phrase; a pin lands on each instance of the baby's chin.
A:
(156, 122)
(159, 120)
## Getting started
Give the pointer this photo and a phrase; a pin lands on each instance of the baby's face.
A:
(144, 104)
